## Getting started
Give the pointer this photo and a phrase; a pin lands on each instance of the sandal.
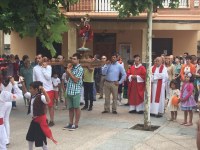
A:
(183, 123)
(188, 124)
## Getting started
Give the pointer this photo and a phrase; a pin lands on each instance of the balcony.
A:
(105, 5)
(92, 6)
(182, 3)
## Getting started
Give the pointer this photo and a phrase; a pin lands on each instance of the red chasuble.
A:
(136, 89)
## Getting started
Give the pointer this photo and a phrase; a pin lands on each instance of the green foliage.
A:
(127, 8)
(35, 18)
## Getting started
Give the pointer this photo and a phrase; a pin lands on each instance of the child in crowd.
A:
(64, 85)
(38, 130)
(174, 94)
(56, 84)
(187, 99)
(126, 82)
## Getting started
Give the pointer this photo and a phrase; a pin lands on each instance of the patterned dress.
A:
(188, 102)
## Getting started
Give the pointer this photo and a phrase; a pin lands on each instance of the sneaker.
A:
(90, 109)
(81, 103)
(132, 111)
(51, 123)
(67, 127)
(103, 112)
(73, 127)
(114, 112)
(100, 97)
(84, 108)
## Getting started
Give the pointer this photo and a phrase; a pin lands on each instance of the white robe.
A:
(156, 108)
(7, 97)
(3, 135)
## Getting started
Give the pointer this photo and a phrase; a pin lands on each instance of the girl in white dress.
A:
(174, 94)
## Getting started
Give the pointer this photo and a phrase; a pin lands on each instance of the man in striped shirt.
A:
(74, 85)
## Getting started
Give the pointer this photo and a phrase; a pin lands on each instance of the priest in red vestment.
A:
(136, 87)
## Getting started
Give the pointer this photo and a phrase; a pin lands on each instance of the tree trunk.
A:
(1, 42)
(147, 121)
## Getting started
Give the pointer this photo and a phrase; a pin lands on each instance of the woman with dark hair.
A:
(188, 67)
(177, 70)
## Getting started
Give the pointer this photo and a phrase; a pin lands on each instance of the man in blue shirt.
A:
(112, 70)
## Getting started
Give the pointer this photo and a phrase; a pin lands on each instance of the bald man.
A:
(159, 77)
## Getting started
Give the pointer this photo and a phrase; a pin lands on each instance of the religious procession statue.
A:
(85, 32)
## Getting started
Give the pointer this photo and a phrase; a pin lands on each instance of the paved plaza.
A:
(107, 131)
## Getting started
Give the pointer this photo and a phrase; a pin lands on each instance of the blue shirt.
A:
(113, 71)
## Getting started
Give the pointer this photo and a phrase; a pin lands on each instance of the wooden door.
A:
(104, 44)
(161, 46)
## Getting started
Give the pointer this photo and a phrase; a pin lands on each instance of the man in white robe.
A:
(159, 77)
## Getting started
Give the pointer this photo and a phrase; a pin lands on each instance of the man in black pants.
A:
(88, 81)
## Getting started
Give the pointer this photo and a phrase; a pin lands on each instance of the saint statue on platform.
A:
(85, 32)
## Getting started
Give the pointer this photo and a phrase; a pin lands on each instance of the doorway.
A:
(104, 44)
(161, 46)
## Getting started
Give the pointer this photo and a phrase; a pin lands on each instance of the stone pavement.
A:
(107, 131)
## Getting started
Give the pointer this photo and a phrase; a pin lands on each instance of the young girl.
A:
(174, 94)
(56, 84)
(187, 99)
(64, 86)
(38, 130)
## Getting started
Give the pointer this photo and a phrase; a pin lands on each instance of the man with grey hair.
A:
(158, 79)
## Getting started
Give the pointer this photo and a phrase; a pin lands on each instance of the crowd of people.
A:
(175, 85)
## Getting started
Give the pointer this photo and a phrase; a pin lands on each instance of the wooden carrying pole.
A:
(84, 63)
